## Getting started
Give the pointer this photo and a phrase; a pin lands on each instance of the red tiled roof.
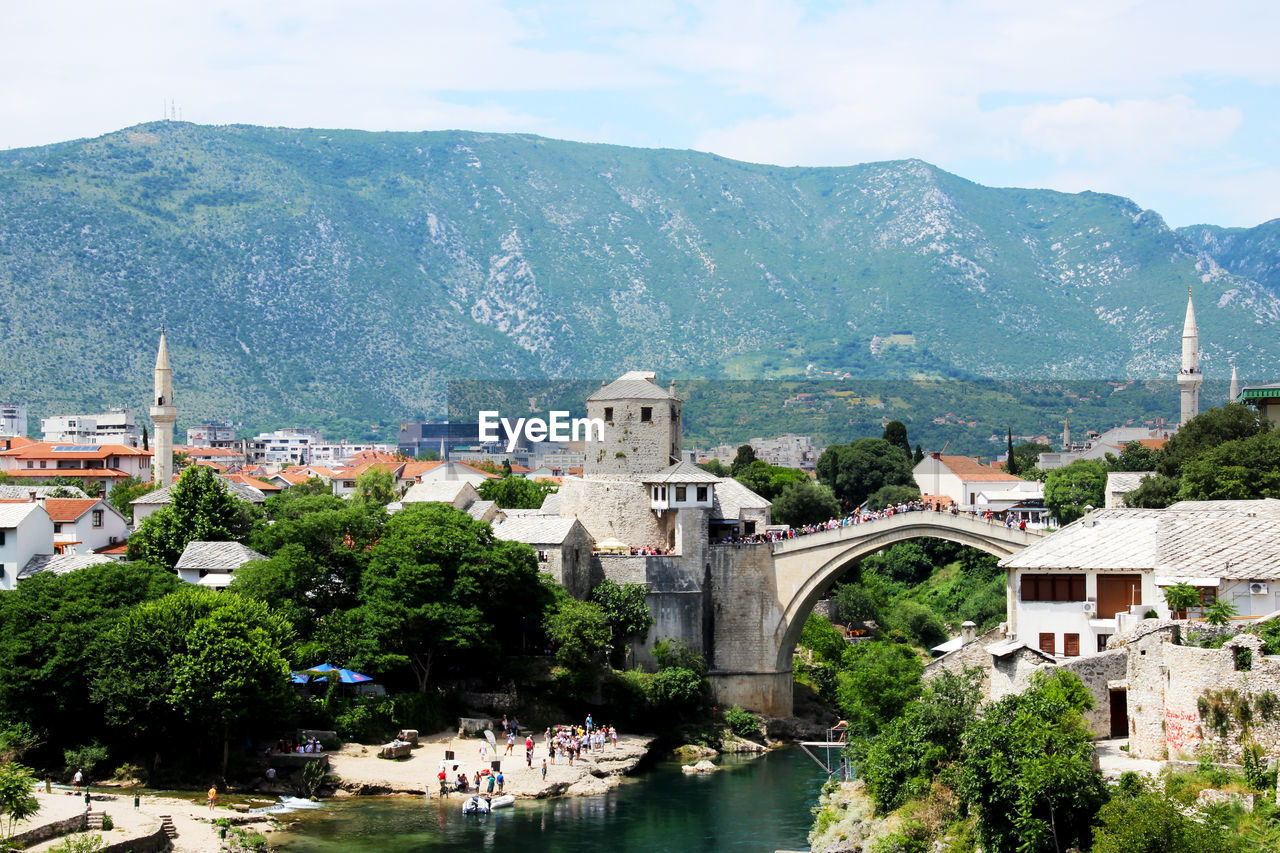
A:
(120, 548)
(479, 470)
(82, 473)
(205, 452)
(19, 441)
(967, 468)
(416, 468)
(68, 509)
(556, 480)
(353, 471)
(1153, 443)
(214, 465)
(517, 468)
(45, 450)
(260, 485)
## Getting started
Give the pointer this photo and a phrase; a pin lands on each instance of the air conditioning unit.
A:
(1090, 606)
(1257, 588)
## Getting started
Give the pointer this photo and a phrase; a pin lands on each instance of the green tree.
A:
(1180, 597)
(439, 584)
(1154, 492)
(1067, 491)
(201, 509)
(1150, 823)
(232, 670)
(892, 496)
(1241, 469)
(908, 563)
(918, 456)
(895, 432)
(1028, 456)
(1135, 456)
(856, 471)
(144, 438)
(376, 485)
(904, 759)
(864, 601)
(877, 681)
(516, 492)
(17, 802)
(919, 623)
(626, 611)
(578, 631)
(195, 667)
(745, 456)
(1219, 612)
(680, 685)
(54, 635)
(125, 492)
(1027, 768)
(822, 638)
(769, 481)
(715, 466)
(805, 502)
(1207, 430)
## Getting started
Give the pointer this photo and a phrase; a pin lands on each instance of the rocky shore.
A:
(358, 770)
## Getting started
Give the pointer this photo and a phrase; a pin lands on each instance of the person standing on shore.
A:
(501, 781)
(213, 796)
(78, 779)
(511, 742)
(544, 770)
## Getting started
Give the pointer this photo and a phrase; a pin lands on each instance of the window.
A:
(44, 464)
(1053, 587)
(57, 527)
(675, 414)
(544, 557)
(1102, 642)
(97, 518)
(702, 494)
(646, 414)
(680, 493)
(1046, 643)
(1071, 645)
(1, 537)
(608, 413)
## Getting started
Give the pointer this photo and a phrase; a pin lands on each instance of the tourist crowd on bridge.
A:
(862, 516)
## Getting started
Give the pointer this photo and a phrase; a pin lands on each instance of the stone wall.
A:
(615, 510)
(53, 829)
(1011, 673)
(1166, 680)
(1097, 671)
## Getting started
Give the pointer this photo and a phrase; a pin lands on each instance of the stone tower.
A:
(163, 414)
(1189, 376)
(1233, 393)
(641, 440)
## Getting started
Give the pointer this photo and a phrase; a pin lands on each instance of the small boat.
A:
(475, 805)
(502, 801)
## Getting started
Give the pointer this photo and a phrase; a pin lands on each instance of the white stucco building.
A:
(25, 532)
(1069, 592)
(977, 487)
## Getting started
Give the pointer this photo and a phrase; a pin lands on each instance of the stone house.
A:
(563, 547)
(213, 564)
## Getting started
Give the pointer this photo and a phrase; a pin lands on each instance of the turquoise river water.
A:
(752, 806)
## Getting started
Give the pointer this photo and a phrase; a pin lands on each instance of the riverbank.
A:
(358, 769)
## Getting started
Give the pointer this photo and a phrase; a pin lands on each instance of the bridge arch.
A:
(806, 567)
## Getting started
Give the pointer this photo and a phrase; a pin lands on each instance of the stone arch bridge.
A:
(756, 597)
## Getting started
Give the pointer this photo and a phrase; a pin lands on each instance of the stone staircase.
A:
(166, 824)
(94, 820)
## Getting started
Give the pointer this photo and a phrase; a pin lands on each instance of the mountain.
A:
(342, 277)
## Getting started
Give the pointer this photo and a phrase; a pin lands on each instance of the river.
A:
(753, 805)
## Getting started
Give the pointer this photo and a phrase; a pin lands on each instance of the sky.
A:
(1173, 104)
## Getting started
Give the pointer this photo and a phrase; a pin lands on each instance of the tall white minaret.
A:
(1189, 376)
(1234, 393)
(163, 414)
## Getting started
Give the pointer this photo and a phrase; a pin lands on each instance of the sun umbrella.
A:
(325, 670)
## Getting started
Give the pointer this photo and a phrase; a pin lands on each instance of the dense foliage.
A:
(201, 509)
(513, 492)
(857, 470)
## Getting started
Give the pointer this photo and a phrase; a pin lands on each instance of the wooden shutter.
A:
(1071, 645)
(1046, 643)
(1116, 593)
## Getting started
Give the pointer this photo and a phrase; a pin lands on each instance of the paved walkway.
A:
(1115, 761)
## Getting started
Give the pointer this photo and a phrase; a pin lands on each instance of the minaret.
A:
(1234, 394)
(163, 414)
(1189, 376)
